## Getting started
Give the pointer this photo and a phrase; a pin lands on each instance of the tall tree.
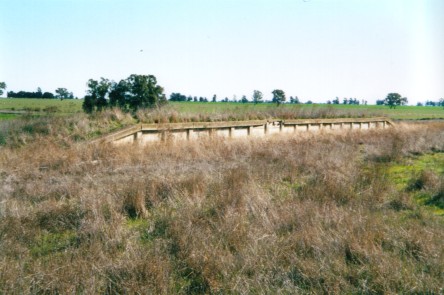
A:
(394, 99)
(39, 93)
(294, 100)
(62, 93)
(96, 99)
(144, 92)
(118, 95)
(257, 96)
(278, 96)
(137, 91)
(2, 87)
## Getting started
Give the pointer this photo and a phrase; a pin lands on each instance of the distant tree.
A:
(278, 96)
(225, 99)
(63, 93)
(380, 102)
(430, 103)
(394, 99)
(195, 99)
(189, 98)
(344, 101)
(48, 95)
(39, 93)
(294, 100)
(336, 100)
(26, 94)
(309, 102)
(2, 87)
(244, 99)
(441, 102)
(177, 97)
(257, 96)
(419, 104)
(214, 99)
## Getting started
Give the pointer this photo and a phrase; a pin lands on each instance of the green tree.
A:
(118, 95)
(39, 93)
(257, 96)
(144, 92)
(278, 96)
(244, 99)
(63, 93)
(2, 87)
(137, 91)
(394, 99)
(294, 100)
(97, 94)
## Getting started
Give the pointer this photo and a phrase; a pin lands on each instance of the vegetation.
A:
(257, 96)
(331, 213)
(2, 87)
(61, 93)
(278, 96)
(394, 99)
(137, 91)
(234, 111)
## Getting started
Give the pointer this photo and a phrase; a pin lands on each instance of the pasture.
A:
(233, 111)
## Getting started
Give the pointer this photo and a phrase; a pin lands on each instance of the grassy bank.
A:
(331, 213)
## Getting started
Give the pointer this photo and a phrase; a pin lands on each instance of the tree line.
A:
(142, 91)
(278, 97)
(257, 97)
(430, 103)
(61, 93)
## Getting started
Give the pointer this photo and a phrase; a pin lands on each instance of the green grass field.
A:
(7, 116)
(67, 107)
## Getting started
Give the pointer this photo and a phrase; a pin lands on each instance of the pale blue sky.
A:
(313, 49)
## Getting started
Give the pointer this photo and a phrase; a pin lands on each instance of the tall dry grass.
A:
(170, 114)
(296, 214)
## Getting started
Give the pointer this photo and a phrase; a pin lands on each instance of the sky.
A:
(314, 49)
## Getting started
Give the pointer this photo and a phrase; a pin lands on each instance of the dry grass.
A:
(170, 114)
(306, 214)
